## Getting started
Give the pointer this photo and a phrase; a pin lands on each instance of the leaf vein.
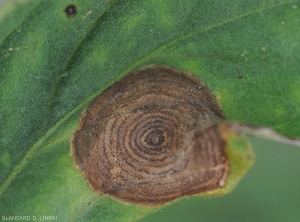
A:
(31, 151)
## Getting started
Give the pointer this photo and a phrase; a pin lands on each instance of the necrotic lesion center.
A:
(155, 138)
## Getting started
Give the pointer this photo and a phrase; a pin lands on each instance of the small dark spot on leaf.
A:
(240, 77)
(89, 203)
(71, 10)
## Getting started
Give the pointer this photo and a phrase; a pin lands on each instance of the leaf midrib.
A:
(31, 151)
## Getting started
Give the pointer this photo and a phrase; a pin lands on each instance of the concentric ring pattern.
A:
(151, 138)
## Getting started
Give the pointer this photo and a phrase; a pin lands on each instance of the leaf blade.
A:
(100, 54)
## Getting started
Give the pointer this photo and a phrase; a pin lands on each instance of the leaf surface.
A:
(52, 66)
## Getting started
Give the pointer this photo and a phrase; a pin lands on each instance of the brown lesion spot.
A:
(152, 138)
(71, 10)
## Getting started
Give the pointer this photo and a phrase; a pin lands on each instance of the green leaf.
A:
(52, 66)
(12, 14)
